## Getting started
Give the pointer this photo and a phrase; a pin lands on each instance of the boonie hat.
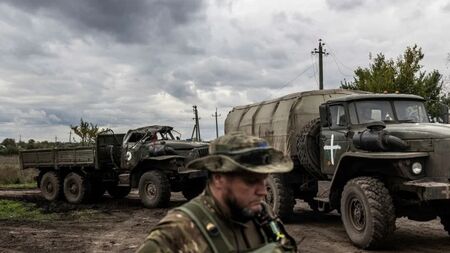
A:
(238, 151)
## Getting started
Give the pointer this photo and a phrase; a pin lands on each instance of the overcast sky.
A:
(127, 64)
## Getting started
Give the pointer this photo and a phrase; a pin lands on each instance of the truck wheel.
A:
(445, 221)
(308, 148)
(50, 185)
(154, 189)
(367, 212)
(76, 188)
(280, 196)
(194, 188)
(118, 192)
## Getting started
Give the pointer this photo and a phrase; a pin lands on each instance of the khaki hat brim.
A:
(222, 163)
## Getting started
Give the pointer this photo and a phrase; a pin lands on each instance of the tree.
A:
(31, 144)
(87, 131)
(9, 146)
(405, 75)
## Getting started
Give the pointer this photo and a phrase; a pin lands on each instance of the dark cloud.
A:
(128, 63)
(184, 91)
(132, 21)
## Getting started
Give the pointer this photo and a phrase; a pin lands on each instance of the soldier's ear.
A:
(218, 180)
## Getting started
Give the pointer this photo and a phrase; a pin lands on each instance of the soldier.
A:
(230, 216)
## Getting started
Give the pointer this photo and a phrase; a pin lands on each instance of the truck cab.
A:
(153, 159)
(371, 157)
(383, 159)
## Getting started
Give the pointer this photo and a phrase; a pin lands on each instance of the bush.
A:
(10, 172)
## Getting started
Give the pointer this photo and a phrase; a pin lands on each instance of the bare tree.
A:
(87, 131)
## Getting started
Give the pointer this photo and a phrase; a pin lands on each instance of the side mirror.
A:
(324, 115)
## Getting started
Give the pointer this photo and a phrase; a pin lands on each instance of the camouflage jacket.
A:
(177, 232)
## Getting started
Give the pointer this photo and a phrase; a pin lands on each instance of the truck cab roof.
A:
(356, 97)
(153, 128)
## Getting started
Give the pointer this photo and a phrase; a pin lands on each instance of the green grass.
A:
(21, 186)
(16, 210)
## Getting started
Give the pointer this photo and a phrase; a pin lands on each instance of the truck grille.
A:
(203, 151)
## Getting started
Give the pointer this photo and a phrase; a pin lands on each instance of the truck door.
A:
(130, 150)
(334, 139)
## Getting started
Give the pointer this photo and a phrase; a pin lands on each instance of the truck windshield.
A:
(411, 111)
(382, 110)
(165, 135)
(376, 110)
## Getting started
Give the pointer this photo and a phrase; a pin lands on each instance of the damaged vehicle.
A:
(150, 159)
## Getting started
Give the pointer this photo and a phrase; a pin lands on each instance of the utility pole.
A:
(321, 52)
(196, 126)
(217, 125)
(70, 136)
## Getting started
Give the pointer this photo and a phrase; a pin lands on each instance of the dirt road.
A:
(121, 226)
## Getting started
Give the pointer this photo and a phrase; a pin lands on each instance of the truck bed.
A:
(54, 158)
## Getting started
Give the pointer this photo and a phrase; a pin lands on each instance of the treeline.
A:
(86, 131)
(9, 146)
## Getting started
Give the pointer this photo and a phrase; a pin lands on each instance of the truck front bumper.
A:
(430, 188)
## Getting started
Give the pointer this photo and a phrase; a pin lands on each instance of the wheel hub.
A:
(151, 190)
(73, 188)
(357, 216)
(49, 187)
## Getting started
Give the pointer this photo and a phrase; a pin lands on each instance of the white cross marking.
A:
(332, 148)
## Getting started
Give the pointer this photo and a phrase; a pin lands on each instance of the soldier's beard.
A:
(239, 213)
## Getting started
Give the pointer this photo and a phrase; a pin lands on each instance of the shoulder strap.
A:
(205, 222)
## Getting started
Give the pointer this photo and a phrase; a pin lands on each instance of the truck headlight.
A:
(416, 168)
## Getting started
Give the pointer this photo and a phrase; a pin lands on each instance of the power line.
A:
(295, 78)
(337, 65)
(314, 68)
(337, 58)
(303, 72)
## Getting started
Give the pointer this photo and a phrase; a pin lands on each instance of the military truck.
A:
(150, 158)
(371, 157)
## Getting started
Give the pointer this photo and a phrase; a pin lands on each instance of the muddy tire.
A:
(118, 192)
(367, 212)
(308, 148)
(154, 189)
(445, 221)
(194, 188)
(280, 196)
(76, 188)
(51, 186)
